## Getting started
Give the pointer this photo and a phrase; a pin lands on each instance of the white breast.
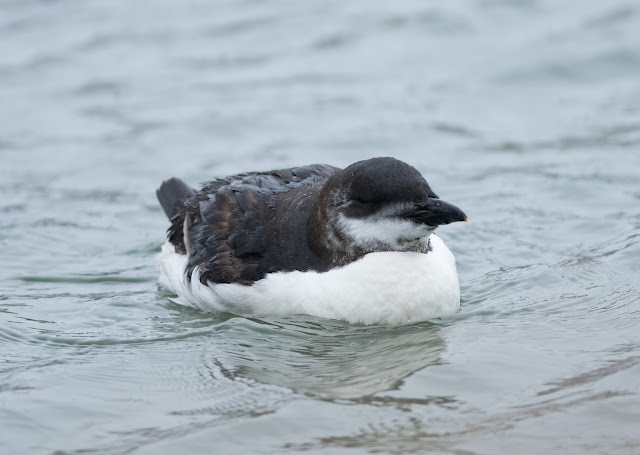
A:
(380, 288)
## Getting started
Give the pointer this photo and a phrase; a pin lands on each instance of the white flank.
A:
(381, 288)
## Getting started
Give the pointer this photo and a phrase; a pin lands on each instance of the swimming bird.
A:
(355, 244)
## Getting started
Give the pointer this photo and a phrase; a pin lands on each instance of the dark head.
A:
(380, 204)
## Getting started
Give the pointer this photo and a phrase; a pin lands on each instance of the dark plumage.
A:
(239, 228)
(226, 222)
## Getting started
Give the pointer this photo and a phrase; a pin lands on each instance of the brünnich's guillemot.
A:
(355, 244)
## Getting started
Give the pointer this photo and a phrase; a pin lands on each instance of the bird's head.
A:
(382, 204)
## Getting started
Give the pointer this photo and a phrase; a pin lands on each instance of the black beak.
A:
(436, 212)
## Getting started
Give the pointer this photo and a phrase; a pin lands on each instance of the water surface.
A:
(524, 113)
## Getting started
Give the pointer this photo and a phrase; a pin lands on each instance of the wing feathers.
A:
(221, 227)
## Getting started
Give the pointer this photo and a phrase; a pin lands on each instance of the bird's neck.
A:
(327, 240)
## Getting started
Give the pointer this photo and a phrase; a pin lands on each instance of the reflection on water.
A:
(326, 360)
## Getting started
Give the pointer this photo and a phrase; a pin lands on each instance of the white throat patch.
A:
(397, 234)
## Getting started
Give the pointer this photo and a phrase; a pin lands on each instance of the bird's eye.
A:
(356, 209)
(354, 204)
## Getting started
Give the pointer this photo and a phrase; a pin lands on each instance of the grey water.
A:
(525, 113)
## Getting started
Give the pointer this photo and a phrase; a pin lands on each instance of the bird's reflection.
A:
(328, 359)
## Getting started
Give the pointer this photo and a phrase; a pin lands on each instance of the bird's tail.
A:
(172, 193)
